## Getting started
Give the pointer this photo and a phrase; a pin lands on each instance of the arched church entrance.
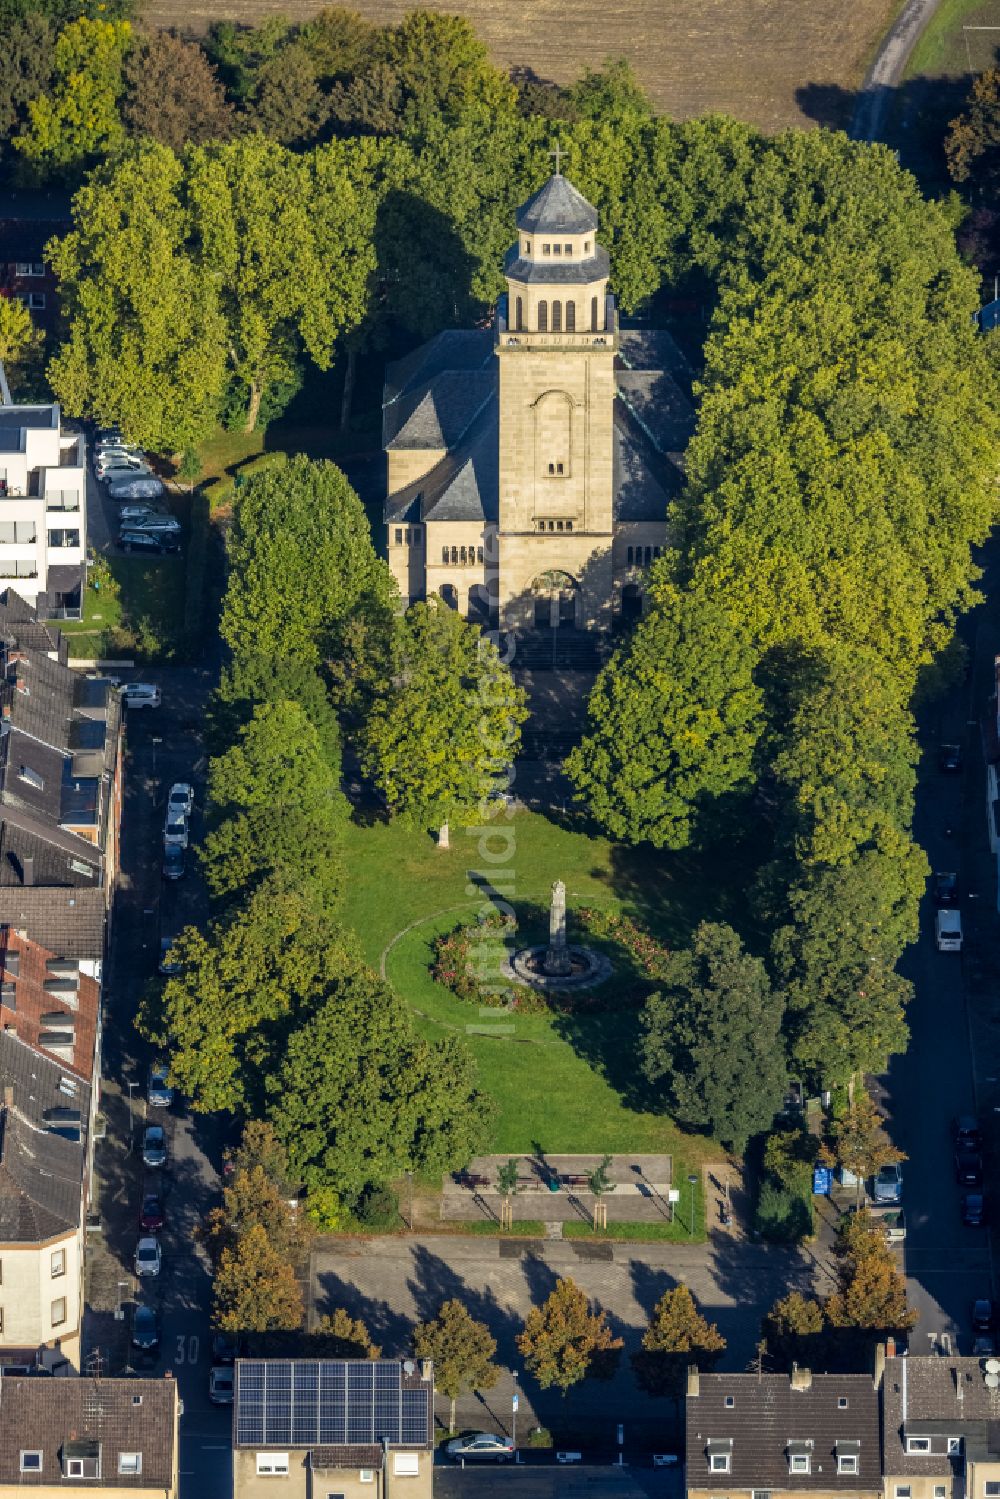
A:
(555, 595)
(480, 604)
(631, 603)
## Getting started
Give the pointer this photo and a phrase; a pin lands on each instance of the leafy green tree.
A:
(673, 720)
(612, 93)
(564, 1341)
(239, 52)
(21, 343)
(77, 118)
(446, 726)
(251, 1198)
(794, 1331)
(359, 1097)
(146, 341)
(290, 105)
(255, 1289)
(301, 561)
(972, 145)
(260, 1146)
(25, 67)
(677, 1336)
(173, 94)
(442, 71)
(462, 1349)
(339, 1335)
(858, 1142)
(713, 1037)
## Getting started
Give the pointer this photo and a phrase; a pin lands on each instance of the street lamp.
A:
(514, 1402)
(693, 1181)
(155, 740)
(123, 1285)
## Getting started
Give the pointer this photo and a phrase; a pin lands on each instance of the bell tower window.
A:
(519, 315)
(593, 315)
(556, 317)
(543, 317)
(570, 317)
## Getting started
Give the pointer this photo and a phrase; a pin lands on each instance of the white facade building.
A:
(43, 510)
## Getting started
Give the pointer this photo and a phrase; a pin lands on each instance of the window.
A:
(559, 525)
(8, 995)
(570, 317)
(556, 317)
(31, 1461)
(366, 1475)
(546, 249)
(399, 536)
(799, 1462)
(18, 532)
(954, 1446)
(569, 525)
(586, 248)
(527, 247)
(30, 268)
(31, 777)
(940, 1490)
(918, 1445)
(543, 317)
(628, 557)
(718, 1462)
(462, 556)
(444, 554)
(130, 1462)
(568, 249)
(58, 1262)
(557, 249)
(64, 538)
(272, 1464)
(405, 1464)
(593, 315)
(454, 556)
(902, 1491)
(519, 314)
(479, 554)
(33, 299)
(730, 1403)
(59, 1312)
(992, 1489)
(842, 1401)
(847, 1462)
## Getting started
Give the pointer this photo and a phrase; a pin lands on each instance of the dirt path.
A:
(887, 69)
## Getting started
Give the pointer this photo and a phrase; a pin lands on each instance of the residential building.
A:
(43, 513)
(45, 1161)
(530, 466)
(27, 222)
(104, 1436)
(941, 1420)
(353, 1428)
(755, 1436)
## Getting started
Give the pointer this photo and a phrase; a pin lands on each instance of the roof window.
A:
(32, 777)
(130, 1462)
(730, 1402)
(918, 1446)
(842, 1403)
(31, 1461)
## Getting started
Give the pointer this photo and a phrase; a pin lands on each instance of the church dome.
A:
(557, 208)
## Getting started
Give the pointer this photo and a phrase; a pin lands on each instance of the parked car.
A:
(151, 1215)
(221, 1384)
(175, 829)
(153, 543)
(159, 1093)
(968, 1168)
(983, 1346)
(136, 489)
(119, 466)
(108, 453)
(973, 1209)
(180, 798)
(157, 521)
(141, 695)
(950, 757)
(165, 966)
(174, 861)
(982, 1315)
(968, 1135)
(133, 512)
(154, 1146)
(948, 929)
(148, 1257)
(145, 1329)
(224, 1348)
(108, 435)
(946, 889)
(888, 1184)
(481, 1446)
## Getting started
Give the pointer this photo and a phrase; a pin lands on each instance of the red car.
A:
(151, 1218)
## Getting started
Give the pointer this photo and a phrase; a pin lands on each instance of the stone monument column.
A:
(557, 960)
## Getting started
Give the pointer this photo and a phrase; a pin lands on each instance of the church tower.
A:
(555, 346)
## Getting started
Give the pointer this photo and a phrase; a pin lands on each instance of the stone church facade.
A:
(529, 466)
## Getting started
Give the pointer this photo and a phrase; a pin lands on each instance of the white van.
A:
(948, 930)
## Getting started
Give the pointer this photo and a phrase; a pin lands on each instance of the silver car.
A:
(136, 489)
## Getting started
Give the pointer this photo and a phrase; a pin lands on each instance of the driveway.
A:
(886, 72)
(394, 1282)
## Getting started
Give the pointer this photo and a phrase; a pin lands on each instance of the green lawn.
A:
(145, 621)
(945, 50)
(568, 1084)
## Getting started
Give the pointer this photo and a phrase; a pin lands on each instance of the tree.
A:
(794, 1330)
(673, 720)
(972, 145)
(871, 1292)
(77, 118)
(21, 342)
(858, 1143)
(255, 1289)
(301, 561)
(359, 1097)
(251, 1199)
(173, 94)
(441, 71)
(146, 341)
(25, 67)
(677, 1336)
(613, 93)
(462, 1350)
(713, 1037)
(260, 1146)
(339, 1335)
(446, 726)
(563, 1341)
(290, 105)
(239, 52)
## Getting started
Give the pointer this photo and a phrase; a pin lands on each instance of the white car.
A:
(133, 513)
(148, 1258)
(175, 829)
(117, 468)
(141, 695)
(155, 521)
(181, 798)
(136, 489)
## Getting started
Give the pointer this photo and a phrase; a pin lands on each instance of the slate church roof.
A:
(557, 208)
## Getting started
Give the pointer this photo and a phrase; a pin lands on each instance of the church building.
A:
(530, 465)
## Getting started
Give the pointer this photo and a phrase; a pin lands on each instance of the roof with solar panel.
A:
(332, 1403)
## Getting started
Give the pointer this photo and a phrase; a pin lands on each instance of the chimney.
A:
(890, 1347)
(8, 1097)
(694, 1382)
(801, 1379)
(880, 1358)
(28, 869)
(426, 1369)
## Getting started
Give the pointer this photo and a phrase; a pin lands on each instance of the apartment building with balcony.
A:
(43, 512)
